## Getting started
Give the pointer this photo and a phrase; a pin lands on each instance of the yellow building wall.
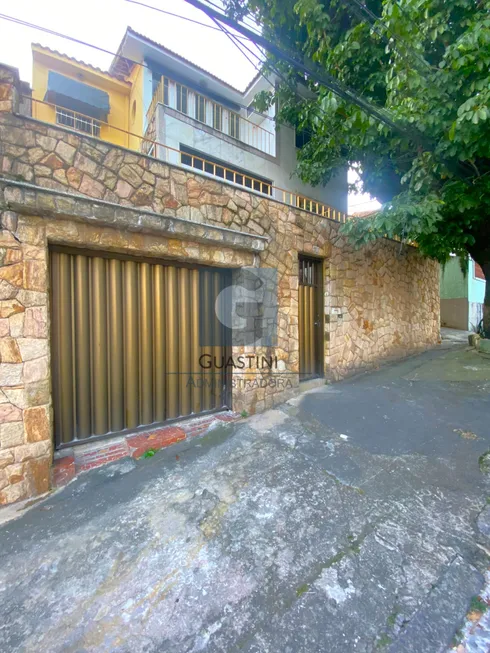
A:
(115, 131)
(136, 108)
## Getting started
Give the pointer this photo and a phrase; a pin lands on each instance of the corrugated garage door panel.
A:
(125, 343)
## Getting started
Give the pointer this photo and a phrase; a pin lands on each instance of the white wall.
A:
(476, 287)
(172, 131)
(476, 297)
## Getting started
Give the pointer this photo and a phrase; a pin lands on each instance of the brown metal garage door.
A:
(126, 343)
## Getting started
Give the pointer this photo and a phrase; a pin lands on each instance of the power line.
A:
(376, 20)
(232, 39)
(24, 23)
(40, 28)
(275, 70)
(47, 30)
(309, 69)
(312, 71)
(187, 18)
(254, 25)
(240, 47)
(362, 203)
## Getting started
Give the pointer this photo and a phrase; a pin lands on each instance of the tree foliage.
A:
(426, 63)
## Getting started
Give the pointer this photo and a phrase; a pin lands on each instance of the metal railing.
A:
(77, 121)
(156, 149)
(225, 173)
(195, 105)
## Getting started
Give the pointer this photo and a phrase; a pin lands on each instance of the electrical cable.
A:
(254, 26)
(47, 30)
(376, 20)
(240, 48)
(312, 71)
(170, 13)
(307, 69)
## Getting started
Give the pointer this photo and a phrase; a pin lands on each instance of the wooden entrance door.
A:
(310, 318)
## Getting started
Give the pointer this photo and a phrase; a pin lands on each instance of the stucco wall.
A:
(173, 129)
(454, 284)
(476, 297)
(380, 302)
(476, 287)
(455, 313)
(462, 296)
(45, 60)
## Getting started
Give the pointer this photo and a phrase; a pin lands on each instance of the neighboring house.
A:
(180, 113)
(76, 95)
(462, 295)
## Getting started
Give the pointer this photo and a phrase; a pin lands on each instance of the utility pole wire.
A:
(252, 24)
(378, 26)
(241, 46)
(308, 68)
(190, 20)
(40, 28)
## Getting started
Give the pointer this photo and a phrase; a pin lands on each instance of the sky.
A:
(103, 23)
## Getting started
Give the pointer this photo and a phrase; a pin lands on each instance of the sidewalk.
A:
(343, 522)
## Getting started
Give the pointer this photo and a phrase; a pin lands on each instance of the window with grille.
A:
(218, 117)
(165, 90)
(200, 108)
(77, 121)
(181, 98)
(308, 272)
(234, 125)
(212, 166)
(156, 81)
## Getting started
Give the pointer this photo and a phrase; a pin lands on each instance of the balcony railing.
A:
(208, 112)
(150, 146)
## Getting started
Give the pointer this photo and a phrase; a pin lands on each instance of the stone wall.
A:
(381, 302)
(25, 391)
(25, 432)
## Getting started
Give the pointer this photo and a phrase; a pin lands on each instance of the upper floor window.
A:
(77, 121)
(165, 90)
(181, 98)
(303, 136)
(234, 125)
(218, 117)
(156, 80)
(212, 166)
(200, 108)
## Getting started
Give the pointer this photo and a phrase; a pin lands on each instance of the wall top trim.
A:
(29, 198)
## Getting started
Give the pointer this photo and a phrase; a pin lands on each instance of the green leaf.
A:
(445, 103)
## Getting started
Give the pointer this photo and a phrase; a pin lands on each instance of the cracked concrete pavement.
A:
(343, 521)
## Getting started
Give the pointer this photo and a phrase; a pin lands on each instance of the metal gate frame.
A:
(311, 272)
(107, 340)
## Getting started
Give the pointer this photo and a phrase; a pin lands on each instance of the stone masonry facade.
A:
(58, 187)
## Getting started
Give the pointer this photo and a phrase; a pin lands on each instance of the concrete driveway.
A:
(344, 521)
